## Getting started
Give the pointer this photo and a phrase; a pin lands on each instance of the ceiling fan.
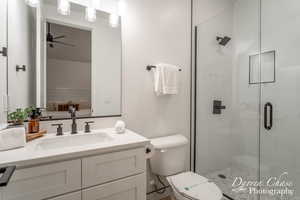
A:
(51, 39)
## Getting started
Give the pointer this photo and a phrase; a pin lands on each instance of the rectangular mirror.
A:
(64, 60)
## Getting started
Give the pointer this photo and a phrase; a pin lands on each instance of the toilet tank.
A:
(170, 155)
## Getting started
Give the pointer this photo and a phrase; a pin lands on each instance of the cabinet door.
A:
(132, 188)
(44, 181)
(108, 167)
(72, 196)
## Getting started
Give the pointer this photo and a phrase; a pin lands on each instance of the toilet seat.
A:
(195, 187)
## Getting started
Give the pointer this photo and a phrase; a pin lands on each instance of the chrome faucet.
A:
(72, 111)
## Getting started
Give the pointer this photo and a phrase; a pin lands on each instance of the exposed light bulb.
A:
(121, 7)
(90, 14)
(33, 3)
(90, 11)
(114, 20)
(64, 7)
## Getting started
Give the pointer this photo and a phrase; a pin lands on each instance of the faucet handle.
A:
(72, 111)
(59, 130)
(87, 127)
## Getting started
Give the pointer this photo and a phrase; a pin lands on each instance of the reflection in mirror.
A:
(64, 60)
(68, 70)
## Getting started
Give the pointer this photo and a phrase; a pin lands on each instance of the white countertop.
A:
(30, 155)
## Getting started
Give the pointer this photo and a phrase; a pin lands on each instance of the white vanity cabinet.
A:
(111, 176)
(132, 188)
(43, 181)
(112, 166)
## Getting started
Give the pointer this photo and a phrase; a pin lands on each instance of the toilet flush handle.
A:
(163, 150)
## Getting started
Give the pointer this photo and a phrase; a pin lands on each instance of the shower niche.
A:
(264, 73)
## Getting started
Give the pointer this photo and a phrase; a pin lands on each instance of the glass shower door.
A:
(280, 99)
(227, 103)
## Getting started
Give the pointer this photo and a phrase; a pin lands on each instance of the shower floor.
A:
(225, 184)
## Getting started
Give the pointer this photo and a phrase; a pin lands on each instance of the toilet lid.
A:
(195, 186)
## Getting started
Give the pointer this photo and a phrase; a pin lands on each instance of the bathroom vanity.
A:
(86, 166)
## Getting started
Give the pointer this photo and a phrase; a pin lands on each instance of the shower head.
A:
(223, 40)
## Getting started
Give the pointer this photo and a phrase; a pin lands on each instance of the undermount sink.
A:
(73, 140)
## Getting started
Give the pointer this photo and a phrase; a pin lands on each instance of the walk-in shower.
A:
(256, 77)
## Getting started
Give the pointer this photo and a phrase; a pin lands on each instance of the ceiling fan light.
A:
(90, 14)
(33, 3)
(64, 7)
(114, 20)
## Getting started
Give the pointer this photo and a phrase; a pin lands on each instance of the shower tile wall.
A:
(214, 75)
(232, 137)
(245, 118)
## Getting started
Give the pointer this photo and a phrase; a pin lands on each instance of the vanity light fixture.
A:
(33, 3)
(114, 17)
(64, 7)
(114, 20)
(90, 11)
(90, 14)
(121, 7)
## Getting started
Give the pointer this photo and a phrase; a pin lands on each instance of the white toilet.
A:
(169, 161)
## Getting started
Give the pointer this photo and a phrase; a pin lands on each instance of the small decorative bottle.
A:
(34, 122)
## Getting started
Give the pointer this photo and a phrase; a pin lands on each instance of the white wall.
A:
(153, 32)
(21, 42)
(68, 80)
(3, 63)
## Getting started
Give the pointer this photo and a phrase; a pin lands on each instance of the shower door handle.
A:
(268, 111)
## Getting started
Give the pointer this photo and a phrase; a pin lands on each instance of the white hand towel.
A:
(165, 79)
(12, 138)
(169, 78)
(158, 89)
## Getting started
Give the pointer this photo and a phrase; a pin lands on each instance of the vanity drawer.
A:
(44, 181)
(104, 168)
(132, 188)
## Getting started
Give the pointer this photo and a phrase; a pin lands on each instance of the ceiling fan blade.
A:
(63, 43)
(59, 37)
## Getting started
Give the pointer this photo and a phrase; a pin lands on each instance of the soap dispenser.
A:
(34, 122)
